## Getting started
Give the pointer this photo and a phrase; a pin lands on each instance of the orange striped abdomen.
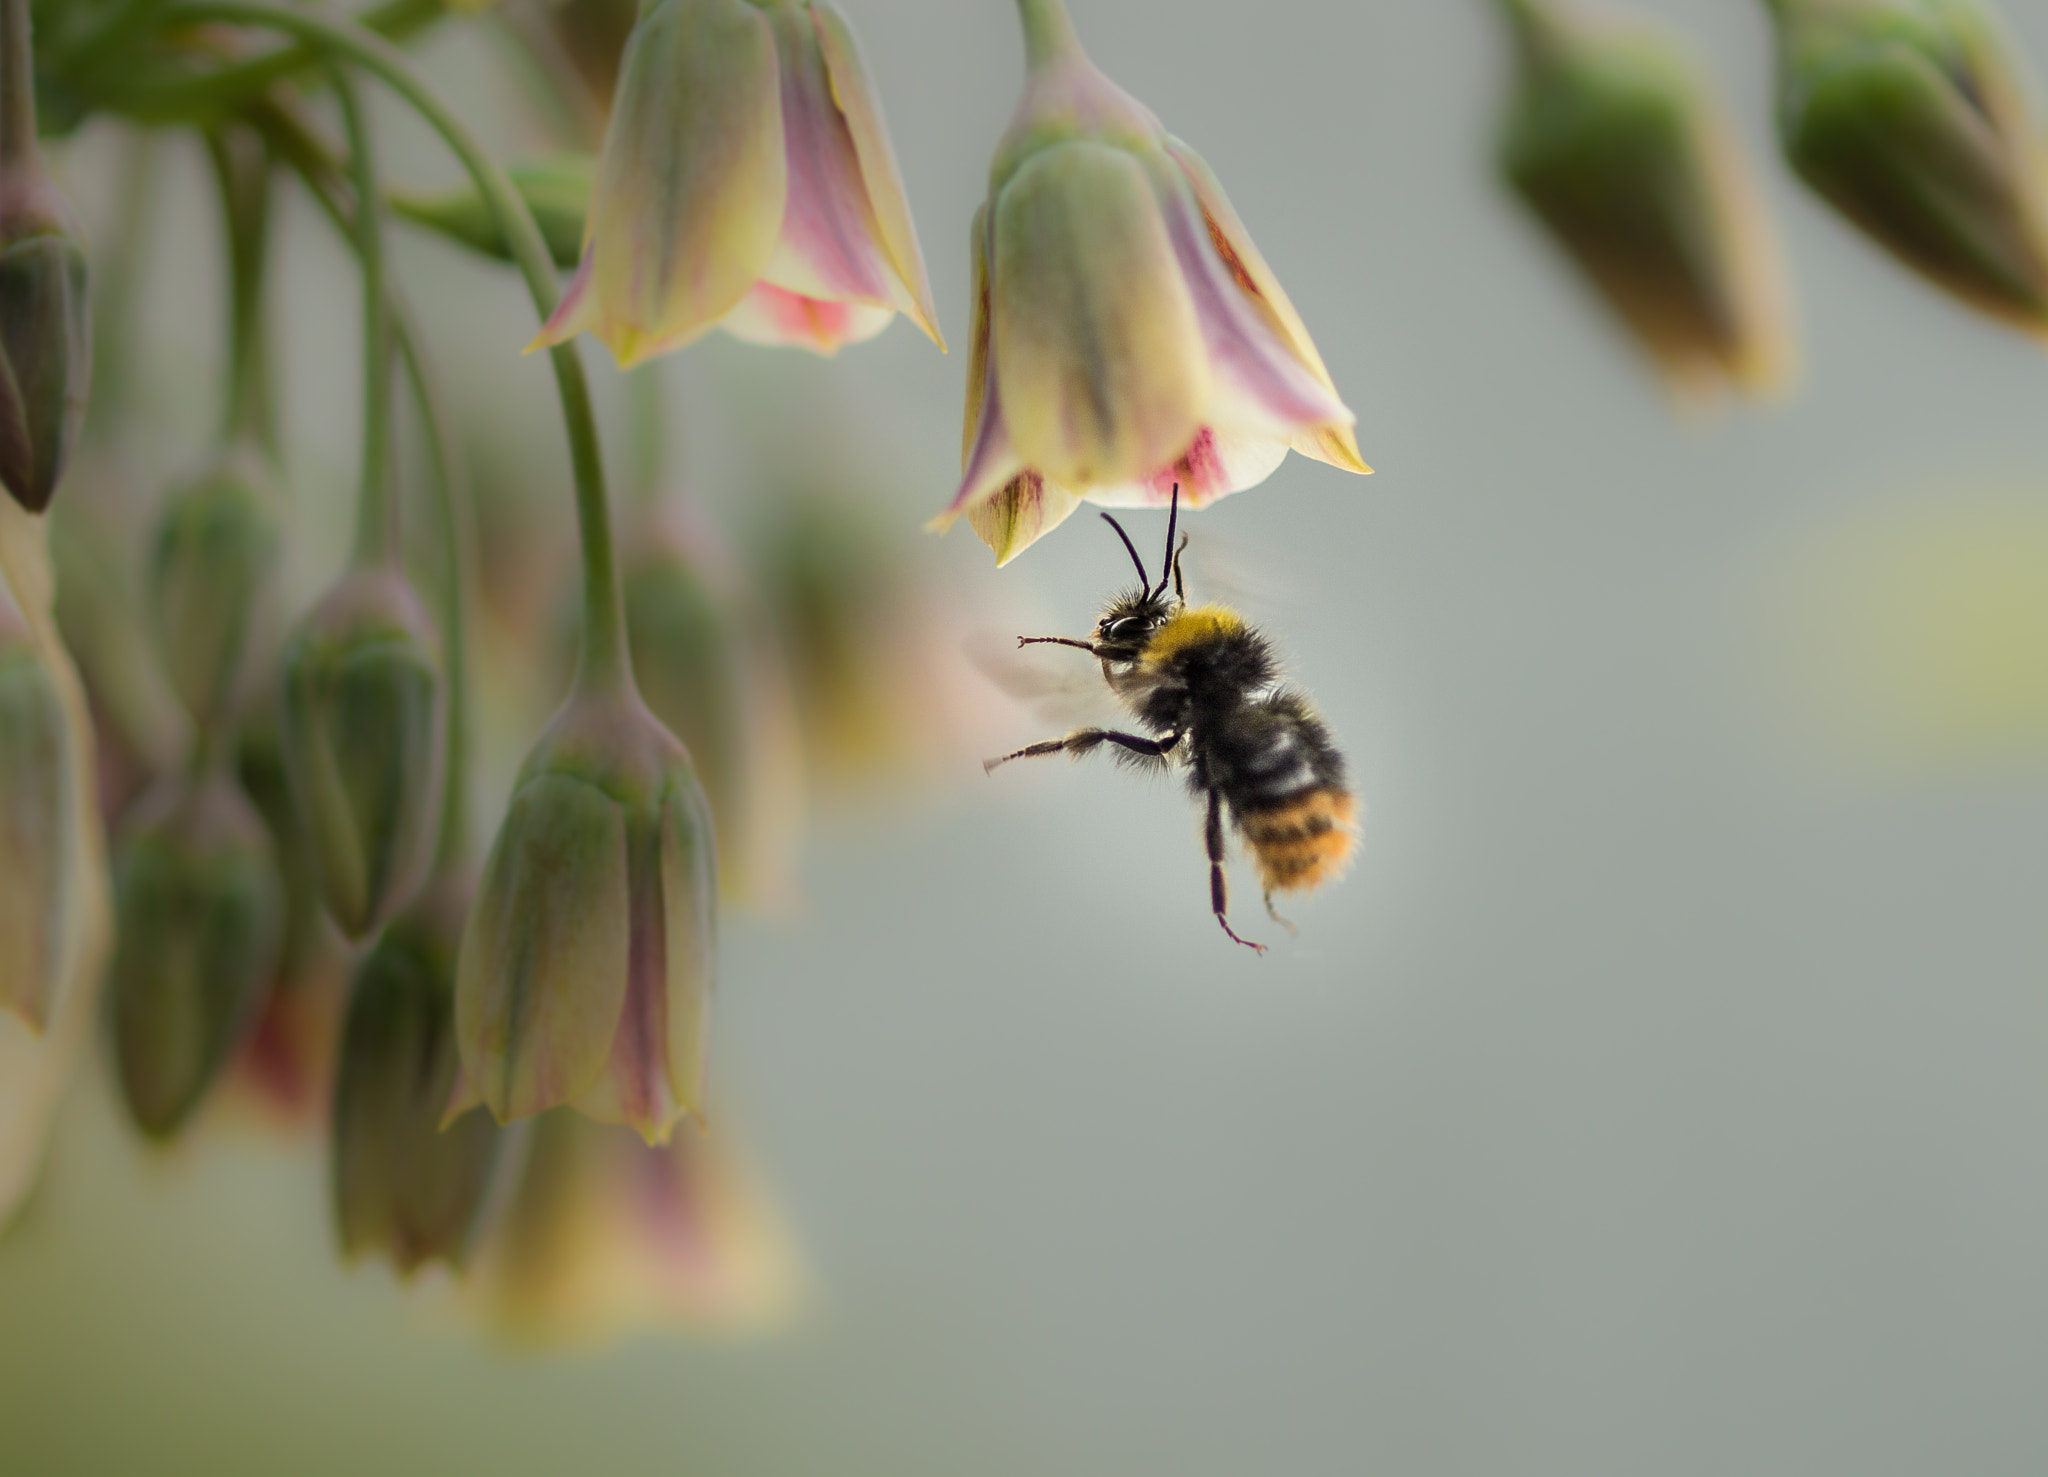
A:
(1304, 842)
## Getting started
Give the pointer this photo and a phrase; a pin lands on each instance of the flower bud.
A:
(37, 798)
(361, 725)
(216, 548)
(1614, 140)
(747, 180)
(1912, 120)
(196, 913)
(555, 189)
(587, 962)
(403, 1186)
(709, 671)
(45, 334)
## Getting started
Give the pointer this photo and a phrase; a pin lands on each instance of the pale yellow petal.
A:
(1021, 514)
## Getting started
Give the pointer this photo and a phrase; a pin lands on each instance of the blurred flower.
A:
(1911, 118)
(210, 573)
(361, 727)
(607, 1234)
(36, 1067)
(706, 663)
(747, 181)
(587, 962)
(403, 1186)
(196, 907)
(556, 189)
(37, 808)
(1615, 141)
(579, 44)
(45, 327)
(1128, 336)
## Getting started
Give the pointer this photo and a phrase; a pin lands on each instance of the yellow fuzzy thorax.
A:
(1191, 627)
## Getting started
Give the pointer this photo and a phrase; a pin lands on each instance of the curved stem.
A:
(244, 177)
(116, 268)
(17, 86)
(603, 660)
(376, 509)
(646, 411)
(1048, 32)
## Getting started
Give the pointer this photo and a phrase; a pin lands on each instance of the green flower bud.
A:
(37, 797)
(361, 722)
(1614, 139)
(403, 1187)
(216, 546)
(45, 340)
(196, 912)
(307, 936)
(587, 963)
(556, 189)
(1910, 118)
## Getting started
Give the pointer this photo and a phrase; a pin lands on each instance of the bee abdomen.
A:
(1303, 841)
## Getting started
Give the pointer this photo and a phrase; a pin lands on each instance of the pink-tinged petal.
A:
(1215, 465)
(689, 888)
(576, 311)
(1021, 514)
(861, 110)
(977, 352)
(1095, 338)
(779, 318)
(1232, 244)
(988, 459)
(635, 1089)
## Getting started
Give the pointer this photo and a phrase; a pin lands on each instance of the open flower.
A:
(1128, 336)
(747, 182)
(1911, 119)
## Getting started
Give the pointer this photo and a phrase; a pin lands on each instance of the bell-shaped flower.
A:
(1128, 336)
(403, 1186)
(587, 960)
(209, 575)
(197, 911)
(605, 1235)
(1616, 143)
(361, 723)
(746, 181)
(1911, 118)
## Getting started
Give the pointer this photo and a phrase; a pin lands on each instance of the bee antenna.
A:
(1144, 579)
(1172, 517)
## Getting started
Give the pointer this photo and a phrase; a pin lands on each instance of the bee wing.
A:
(1223, 569)
(1059, 685)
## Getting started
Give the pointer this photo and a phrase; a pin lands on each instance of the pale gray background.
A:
(1658, 1095)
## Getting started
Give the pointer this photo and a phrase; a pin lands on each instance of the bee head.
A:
(1129, 620)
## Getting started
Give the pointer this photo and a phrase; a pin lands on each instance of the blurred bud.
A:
(578, 43)
(1128, 336)
(555, 189)
(587, 963)
(606, 1235)
(361, 725)
(1912, 120)
(708, 669)
(747, 180)
(45, 333)
(196, 911)
(216, 550)
(403, 1186)
(1615, 141)
(37, 800)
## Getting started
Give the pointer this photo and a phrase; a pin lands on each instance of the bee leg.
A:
(1081, 740)
(1087, 646)
(1219, 895)
(1287, 923)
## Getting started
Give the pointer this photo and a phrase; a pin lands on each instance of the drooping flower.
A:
(1128, 336)
(209, 574)
(1911, 118)
(586, 964)
(746, 181)
(1617, 144)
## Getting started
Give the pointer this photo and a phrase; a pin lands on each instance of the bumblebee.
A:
(1205, 687)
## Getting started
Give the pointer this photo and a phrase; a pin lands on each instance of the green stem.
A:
(298, 145)
(17, 87)
(603, 661)
(116, 272)
(244, 176)
(646, 411)
(1048, 33)
(376, 509)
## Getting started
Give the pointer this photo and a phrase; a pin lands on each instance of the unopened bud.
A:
(216, 548)
(45, 335)
(403, 1186)
(1614, 139)
(556, 189)
(196, 911)
(587, 963)
(361, 724)
(37, 784)
(1911, 119)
